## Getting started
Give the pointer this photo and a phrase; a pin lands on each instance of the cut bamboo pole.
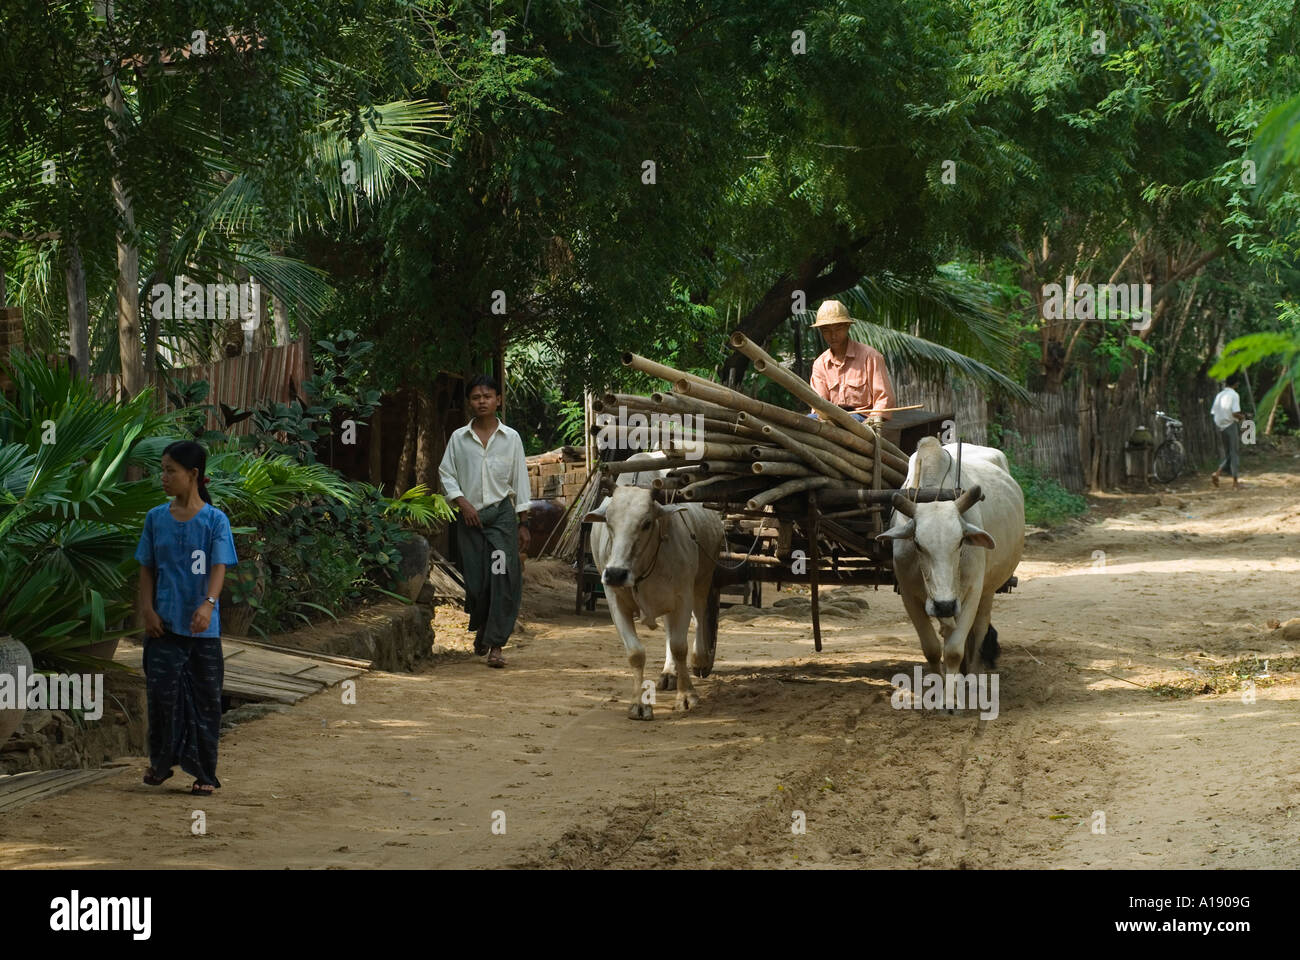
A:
(775, 468)
(732, 430)
(723, 486)
(829, 458)
(773, 414)
(798, 485)
(676, 403)
(760, 451)
(831, 463)
(643, 467)
(638, 362)
(800, 390)
(725, 466)
(715, 450)
(805, 452)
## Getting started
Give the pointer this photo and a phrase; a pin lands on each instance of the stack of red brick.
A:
(558, 474)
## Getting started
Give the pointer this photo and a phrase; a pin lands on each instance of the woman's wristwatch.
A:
(212, 600)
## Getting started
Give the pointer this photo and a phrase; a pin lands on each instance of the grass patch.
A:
(1227, 677)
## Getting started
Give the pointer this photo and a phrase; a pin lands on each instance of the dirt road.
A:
(1114, 627)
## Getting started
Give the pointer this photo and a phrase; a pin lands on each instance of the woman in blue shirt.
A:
(184, 550)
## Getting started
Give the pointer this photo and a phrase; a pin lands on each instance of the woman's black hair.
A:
(482, 380)
(191, 455)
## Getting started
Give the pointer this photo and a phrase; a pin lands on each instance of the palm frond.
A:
(933, 360)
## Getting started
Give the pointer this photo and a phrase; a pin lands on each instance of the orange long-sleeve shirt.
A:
(860, 379)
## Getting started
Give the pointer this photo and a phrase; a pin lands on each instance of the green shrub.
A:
(1047, 503)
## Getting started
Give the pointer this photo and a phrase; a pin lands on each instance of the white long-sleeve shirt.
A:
(482, 474)
(1225, 403)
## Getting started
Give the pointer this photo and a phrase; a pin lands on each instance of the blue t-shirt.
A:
(183, 555)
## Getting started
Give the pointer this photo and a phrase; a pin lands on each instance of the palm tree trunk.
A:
(406, 461)
(376, 439)
(426, 467)
(128, 255)
(281, 312)
(74, 276)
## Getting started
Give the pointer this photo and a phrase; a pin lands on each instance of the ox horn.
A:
(969, 499)
(903, 505)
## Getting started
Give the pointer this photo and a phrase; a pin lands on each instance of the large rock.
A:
(14, 659)
(52, 740)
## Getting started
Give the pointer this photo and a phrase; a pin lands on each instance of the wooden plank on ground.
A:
(261, 671)
(294, 651)
(270, 678)
(23, 788)
(329, 674)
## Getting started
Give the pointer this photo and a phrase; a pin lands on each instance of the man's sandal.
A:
(1214, 479)
(151, 776)
(495, 659)
(199, 791)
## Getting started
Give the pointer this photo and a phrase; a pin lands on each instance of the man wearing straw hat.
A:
(850, 374)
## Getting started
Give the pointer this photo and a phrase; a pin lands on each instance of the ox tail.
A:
(989, 650)
(710, 625)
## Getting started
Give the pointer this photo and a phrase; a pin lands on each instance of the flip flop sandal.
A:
(496, 660)
(151, 777)
(198, 791)
(1214, 480)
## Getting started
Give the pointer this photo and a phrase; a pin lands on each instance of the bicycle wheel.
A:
(1168, 461)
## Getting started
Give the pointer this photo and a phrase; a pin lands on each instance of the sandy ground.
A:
(419, 771)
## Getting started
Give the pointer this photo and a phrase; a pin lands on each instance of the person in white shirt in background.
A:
(1226, 410)
(485, 475)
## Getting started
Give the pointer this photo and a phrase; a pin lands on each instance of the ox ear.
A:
(672, 507)
(976, 537)
(597, 515)
(906, 532)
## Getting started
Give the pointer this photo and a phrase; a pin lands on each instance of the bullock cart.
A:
(803, 497)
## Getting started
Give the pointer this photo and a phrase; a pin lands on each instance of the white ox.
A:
(657, 561)
(951, 556)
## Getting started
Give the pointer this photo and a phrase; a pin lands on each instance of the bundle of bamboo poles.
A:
(747, 452)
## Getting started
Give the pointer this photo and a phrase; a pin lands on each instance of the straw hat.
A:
(831, 313)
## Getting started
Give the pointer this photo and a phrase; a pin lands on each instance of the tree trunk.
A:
(426, 467)
(128, 255)
(774, 306)
(406, 462)
(377, 446)
(281, 311)
(74, 276)
(128, 298)
(160, 264)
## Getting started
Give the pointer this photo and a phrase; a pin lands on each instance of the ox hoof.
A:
(687, 701)
(702, 672)
(667, 681)
(641, 711)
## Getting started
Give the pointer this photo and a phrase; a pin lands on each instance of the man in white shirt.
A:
(485, 475)
(1226, 410)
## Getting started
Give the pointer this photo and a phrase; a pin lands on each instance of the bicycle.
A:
(1170, 458)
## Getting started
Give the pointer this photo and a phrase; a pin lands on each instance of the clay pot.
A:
(413, 567)
(12, 656)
